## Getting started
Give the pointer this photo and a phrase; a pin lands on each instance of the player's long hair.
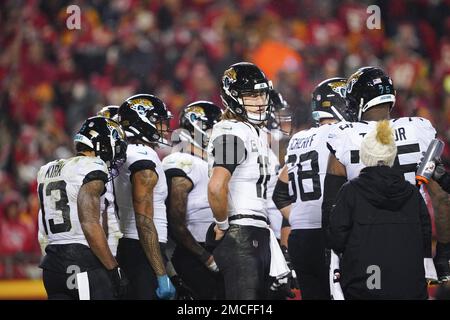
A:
(229, 115)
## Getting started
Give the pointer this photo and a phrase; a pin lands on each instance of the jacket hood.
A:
(384, 187)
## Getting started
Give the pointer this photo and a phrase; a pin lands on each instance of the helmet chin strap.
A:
(257, 117)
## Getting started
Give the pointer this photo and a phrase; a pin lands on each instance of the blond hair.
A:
(378, 146)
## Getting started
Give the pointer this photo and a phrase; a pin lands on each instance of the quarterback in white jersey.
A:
(189, 213)
(69, 193)
(238, 158)
(141, 191)
(247, 197)
(301, 200)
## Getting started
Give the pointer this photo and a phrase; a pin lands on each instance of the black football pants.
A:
(307, 252)
(243, 257)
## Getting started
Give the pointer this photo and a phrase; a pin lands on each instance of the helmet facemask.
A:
(256, 106)
(162, 125)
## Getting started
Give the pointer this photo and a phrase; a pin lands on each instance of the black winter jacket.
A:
(381, 220)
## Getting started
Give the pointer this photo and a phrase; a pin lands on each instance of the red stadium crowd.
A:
(52, 78)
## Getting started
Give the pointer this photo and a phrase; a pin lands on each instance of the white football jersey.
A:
(107, 203)
(412, 137)
(275, 216)
(140, 157)
(248, 184)
(199, 215)
(306, 160)
(59, 182)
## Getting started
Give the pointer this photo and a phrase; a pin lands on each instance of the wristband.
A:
(222, 225)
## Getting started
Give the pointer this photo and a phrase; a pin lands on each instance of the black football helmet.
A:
(280, 113)
(106, 138)
(109, 112)
(197, 118)
(243, 79)
(328, 100)
(366, 88)
(144, 116)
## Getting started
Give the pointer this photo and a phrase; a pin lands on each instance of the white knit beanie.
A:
(378, 146)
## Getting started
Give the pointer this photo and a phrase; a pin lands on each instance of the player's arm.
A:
(88, 203)
(178, 195)
(218, 198)
(105, 219)
(441, 205)
(143, 182)
(334, 179)
(42, 236)
(221, 173)
(281, 196)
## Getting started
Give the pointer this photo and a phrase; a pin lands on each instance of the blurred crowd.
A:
(52, 78)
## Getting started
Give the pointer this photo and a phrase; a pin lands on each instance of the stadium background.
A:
(51, 78)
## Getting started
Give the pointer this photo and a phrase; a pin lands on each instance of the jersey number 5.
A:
(61, 205)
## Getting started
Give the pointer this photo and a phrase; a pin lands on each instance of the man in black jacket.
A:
(381, 226)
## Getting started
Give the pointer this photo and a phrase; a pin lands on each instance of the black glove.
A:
(119, 282)
(293, 281)
(210, 242)
(439, 171)
(183, 291)
(280, 289)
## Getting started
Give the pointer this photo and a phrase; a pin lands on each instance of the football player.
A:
(141, 192)
(299, 190)
(108, 206)
(189, 214)
(370, 97)
(69, 193)
(238, 157)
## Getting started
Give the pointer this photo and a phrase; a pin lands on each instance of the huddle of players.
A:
(117, 190)
(107, 211)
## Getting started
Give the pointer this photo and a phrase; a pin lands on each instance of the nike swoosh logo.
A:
(144, 153)
(99, 163)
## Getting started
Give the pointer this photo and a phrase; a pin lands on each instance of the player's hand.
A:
(281, 288)
(183, 291)
(439, 170)
(165, 290)
(119, 282)
(218, 233)
(293, 276)
(211, 264)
